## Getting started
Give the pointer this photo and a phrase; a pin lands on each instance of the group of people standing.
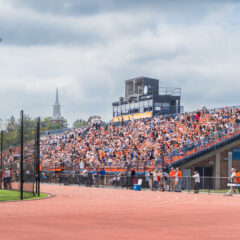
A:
(94, 177)
(161, 180)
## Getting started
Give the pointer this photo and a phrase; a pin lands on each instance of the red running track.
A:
(102, 214)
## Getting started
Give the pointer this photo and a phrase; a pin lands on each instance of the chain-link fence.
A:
(20, 163)
(124, 180)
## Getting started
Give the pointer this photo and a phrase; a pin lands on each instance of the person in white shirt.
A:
(7, 178)
(232, 180)
(196, 177)
(155, 182)
(85, 177)
(81, 166)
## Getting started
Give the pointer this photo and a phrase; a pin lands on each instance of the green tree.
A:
(29, 128)
(47, 124)
(12, 129)
(11, 132)
(79, 123)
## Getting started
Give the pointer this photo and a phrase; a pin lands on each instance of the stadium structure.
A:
(206, 140)
(144, 98)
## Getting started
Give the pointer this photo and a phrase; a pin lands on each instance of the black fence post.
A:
(169, 184)
(38, 157)
(21, 160)
(209, 189)
(2, 150)
(188, 183)
(1, 170)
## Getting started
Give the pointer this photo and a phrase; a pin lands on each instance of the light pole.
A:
(1, 149)
(1, 170)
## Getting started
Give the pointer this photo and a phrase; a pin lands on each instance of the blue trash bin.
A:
(137, 187)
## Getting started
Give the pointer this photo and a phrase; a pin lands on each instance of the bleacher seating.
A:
(143, 144)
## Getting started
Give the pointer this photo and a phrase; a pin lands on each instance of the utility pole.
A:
(38, 157)
(21, 161)
(1, 170)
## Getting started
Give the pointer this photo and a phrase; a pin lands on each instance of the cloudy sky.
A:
(88, 48)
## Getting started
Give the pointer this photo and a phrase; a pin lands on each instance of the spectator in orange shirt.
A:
(238, 180)
(172, 176)
(179, 179)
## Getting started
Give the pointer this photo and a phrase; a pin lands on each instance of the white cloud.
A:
(89, 56)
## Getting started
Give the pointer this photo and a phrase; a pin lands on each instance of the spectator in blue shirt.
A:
(102, 174)
(95, 176)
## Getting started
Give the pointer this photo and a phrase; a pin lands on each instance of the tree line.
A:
(11, 128)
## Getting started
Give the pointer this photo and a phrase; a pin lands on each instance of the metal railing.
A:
(154, 183)
(193, 149)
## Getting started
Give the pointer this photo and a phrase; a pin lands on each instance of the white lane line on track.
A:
(65, 210)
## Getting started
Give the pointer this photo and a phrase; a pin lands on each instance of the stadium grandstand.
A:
(204, 140)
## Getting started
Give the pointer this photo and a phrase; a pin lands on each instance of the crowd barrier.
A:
(184, 184)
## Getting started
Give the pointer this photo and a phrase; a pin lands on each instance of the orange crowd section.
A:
(143, 144)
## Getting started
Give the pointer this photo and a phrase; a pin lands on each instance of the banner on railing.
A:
(132, 117)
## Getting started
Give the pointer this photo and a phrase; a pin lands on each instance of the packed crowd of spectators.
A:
(136, 143)
(140, 142)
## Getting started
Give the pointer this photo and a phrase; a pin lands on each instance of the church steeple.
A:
(57, 102)
(56, 109)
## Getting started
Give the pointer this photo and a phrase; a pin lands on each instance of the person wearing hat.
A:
(196, 177)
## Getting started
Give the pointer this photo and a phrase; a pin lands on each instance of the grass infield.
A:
(12, 195)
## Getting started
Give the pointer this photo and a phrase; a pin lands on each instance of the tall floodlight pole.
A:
(1, 142)
(38, 156)
(1, 170)
(2, 150)
(21, 161)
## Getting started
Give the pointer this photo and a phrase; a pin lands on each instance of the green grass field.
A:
(215, 191)
(10, 195)
(222, 191)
